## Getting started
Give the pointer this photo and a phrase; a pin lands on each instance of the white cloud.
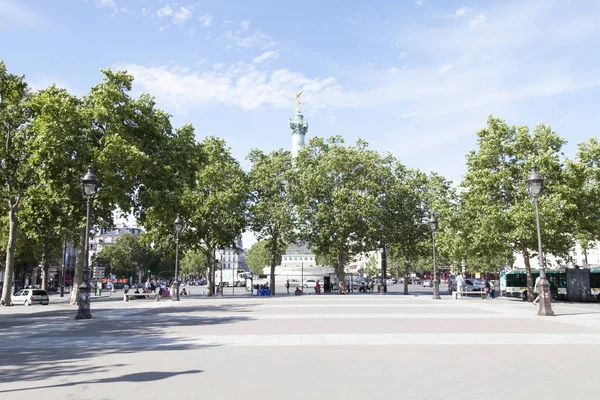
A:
(163, 28)
(461, 11)
(420, 2)
(107, 3)
(227, 22)
(445, 68)
(403, 54)
(393, 70)
(257, 39)
(240, 85)
(408, 115)
(206, 19)
(479, 20)
(166, 11)
(181, 15)
(143, 10)
(245, 25)
(267, 55)
(21, 15)
(124, 9)
(191, 32)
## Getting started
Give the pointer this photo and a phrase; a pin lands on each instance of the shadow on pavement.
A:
(137, 377)
(51, 344)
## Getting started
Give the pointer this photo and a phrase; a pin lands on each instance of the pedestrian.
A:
(536, 289)
(317, 288)
(493, 290)
(487, 288)
(287, 285)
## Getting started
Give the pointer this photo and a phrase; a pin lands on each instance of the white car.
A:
(473, 285)
(31, 296)
(311, 283)
(390, 281)
(427, 283)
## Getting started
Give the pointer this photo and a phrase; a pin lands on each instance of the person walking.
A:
(536, 289)
(317, 288)
(488, 288)
(493, 290)
(287, 285)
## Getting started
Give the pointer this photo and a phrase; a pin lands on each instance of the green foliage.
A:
(337, 191)
(124, 257)
(259, 257)
(372, 269)
(496, 205)
(193, 263)
(270, 213)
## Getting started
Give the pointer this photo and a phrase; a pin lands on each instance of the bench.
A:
(126, 296)
(483, 294)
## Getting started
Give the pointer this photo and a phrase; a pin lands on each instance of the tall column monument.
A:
(299, 127)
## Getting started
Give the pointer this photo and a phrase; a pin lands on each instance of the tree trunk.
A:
(272, 280)
(9, 269)
(45, 268)
(78, 278)
(530, 294)
(341, 275)
(406, 274)
(210, 274)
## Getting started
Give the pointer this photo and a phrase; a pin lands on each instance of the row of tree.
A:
(341, 199)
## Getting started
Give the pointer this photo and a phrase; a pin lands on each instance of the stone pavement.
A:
(360, 346)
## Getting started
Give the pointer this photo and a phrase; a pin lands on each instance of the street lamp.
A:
(222, 253)
(535, 185)
(433, 224)
(89, 187)
(178, 224)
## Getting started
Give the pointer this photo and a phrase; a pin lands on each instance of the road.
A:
(359, 346)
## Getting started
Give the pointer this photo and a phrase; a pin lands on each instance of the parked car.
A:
(391, 281)
(427, 283)
(311, 283)
(31, 296)
(473, 285)
(201, 282)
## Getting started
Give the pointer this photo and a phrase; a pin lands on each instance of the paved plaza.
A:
(361, 346)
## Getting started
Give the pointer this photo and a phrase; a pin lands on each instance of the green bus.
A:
(514, 283)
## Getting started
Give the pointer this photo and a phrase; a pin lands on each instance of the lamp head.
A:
(178, 224)
(89, 183)
(433, 222)
(535, 183)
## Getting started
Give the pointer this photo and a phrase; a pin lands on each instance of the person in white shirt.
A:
(537, 289)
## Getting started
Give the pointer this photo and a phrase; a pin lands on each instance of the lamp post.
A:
(178, 224)
(222, 253)
(535, 185)
(433, 224)
(89, 187)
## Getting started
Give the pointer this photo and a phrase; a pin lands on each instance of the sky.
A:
(415, 78)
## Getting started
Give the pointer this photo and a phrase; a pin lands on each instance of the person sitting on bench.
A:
(297, 291)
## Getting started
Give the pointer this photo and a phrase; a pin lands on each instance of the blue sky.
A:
(416, 78)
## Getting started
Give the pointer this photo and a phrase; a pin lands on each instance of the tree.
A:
(337, 191)
(259, 257)
(583, 174)
(214, 208)
(193, 262)
(404, 212)
(14, 172)
(372, 268)
(125, 257)
(497, 208)
(271, 215)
